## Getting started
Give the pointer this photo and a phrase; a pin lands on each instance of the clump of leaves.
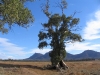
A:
(14, 12)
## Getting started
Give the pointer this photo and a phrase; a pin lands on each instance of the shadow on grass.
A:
(19, 66)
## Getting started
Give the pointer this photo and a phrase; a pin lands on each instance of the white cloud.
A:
(9, 49)
(3, 55)
(82, 46)
(92, 30)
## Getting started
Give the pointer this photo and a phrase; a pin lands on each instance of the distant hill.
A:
(35, 56)
(84, 55)
(87, 54)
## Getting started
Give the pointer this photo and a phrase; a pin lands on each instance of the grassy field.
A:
(36, 68)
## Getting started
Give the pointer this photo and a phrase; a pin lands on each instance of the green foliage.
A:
(14, 12)
(59, 31)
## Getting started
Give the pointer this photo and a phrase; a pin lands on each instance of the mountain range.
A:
(87, 54)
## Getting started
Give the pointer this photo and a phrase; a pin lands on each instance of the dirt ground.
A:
(36, 68)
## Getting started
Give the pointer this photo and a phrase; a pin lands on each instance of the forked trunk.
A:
(60, 65)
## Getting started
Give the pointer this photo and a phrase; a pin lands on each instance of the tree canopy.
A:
(14, 12)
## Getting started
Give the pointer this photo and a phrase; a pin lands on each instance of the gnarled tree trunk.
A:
(60, 65)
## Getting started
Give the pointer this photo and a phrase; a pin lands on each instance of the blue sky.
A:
(21, 43)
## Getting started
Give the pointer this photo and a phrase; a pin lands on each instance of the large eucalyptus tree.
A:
(57, 32)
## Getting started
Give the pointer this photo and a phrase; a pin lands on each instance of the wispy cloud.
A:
(92, 29)
(9, 49)
(82, 46)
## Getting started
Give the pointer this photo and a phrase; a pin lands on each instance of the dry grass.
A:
(36, 68)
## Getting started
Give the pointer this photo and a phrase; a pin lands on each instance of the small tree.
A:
(59, 30)
(14, 12)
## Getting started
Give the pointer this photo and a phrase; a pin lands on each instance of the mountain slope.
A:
(88, 54)
(35, 56)
(84, 55)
